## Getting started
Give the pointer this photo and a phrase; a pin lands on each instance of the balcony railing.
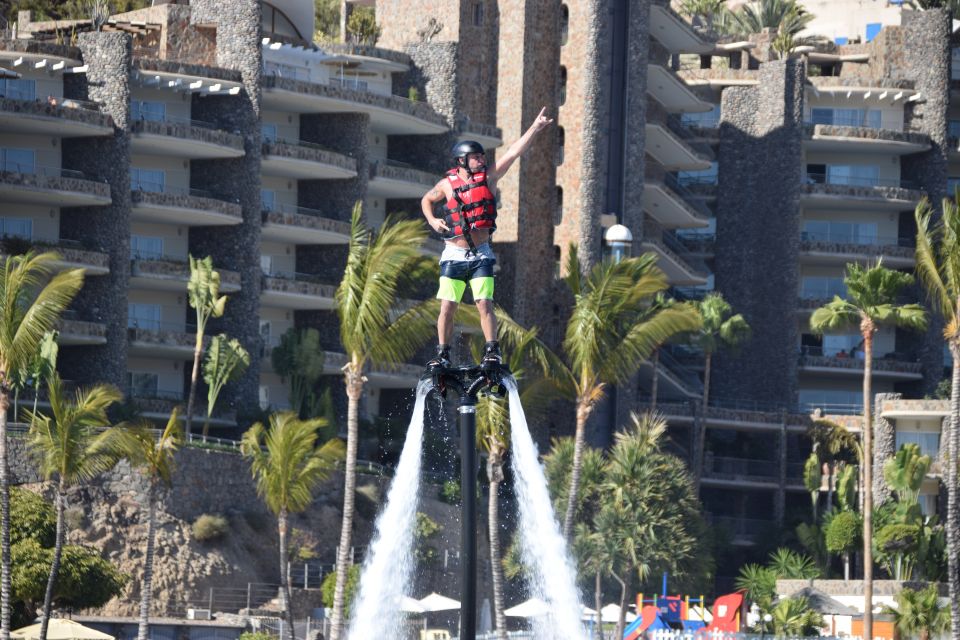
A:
(893, 361)
(741, 468)
(866, 241)
(172, 395)
(845, 120)
(169, 119)
(296, 276)
(150, 186)
(293, 209)
(809, 292)
(159, 325)
(30, 168)
(855, 181)
(688, 196)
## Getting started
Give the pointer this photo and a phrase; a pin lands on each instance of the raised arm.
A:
(516, 150)
(429, 199)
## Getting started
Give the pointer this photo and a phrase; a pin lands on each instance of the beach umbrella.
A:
(437, 602)
(611, 613)
(529, 609)
(60, 629)
(411, 605)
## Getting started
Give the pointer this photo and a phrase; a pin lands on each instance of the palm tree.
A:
(784, 16)
(287, 465)
(373, 331)
(203, 293)
(154, 457)
(69, 450)
(872, 293)
(938, 267)
(835, 444)
(720, 328)
(919, 612)
(612, 329)
(226, 361)
(31, 302)
(493, 431)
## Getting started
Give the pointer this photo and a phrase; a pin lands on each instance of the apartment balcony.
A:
(673, 94)
(673, 205)
(403, 376)
(742, 473)
(817, 191)
(40, 54)
(305, 161)
(162, 339)
(75, 332)
(185, 139)
(391, 179)
(488, 135)
(171, 273)
(743, 532)
(681, 268)
(297, 291)
(300, 225)
(890, 366)
(671, 151)
(840, 138)
(56, 118)
(51, 186)
(897, 253)
(72, 255)
(674, 33)
(391, 115)
(735, 415)
(167, 204)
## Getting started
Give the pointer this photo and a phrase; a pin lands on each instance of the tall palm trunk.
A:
(495, 473)
(4, 514)
(353, 377)
(57, 553)
(622, 616)
(867, 329)
(655, 384)
(197, 352)
(598, 604)
(285, 595)
(953, 527)
(579, 442)
(702, 429)
(146, 589)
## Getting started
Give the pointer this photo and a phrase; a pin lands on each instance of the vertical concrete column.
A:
(236, 248)
(926, 61)
(884, 447)
(104, 298)
(635, 118)
(758, 230)
(780, 501)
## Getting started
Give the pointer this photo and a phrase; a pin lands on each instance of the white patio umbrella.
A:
(586, 613)
(411, 605)
(61, 629)
(529, 609)
(437, 602)
(611, 613)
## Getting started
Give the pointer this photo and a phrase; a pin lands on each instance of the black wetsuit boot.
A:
(442, 359)
(491, 354)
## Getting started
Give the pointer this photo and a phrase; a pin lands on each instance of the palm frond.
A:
(929, 265)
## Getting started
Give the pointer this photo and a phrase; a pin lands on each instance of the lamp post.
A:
(468, 383)
(620, 240)
(763, 625)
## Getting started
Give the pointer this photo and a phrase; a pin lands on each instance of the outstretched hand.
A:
(541, 121)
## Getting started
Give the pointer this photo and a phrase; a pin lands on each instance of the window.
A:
(151, 180)
(820, 287)
(273, 20)
(928, 441)
(704, 120)
(846, 117)
(478, 14)
(146, 247)
(269, 132)
(286, 71)
(148, 110)
(952, 184)
(268, 199)
(834, 344)
(266, 264)
(18, 160)
(561, 141)
(143, 315)
(864, 233)
(873, 30)
(853, 174)
(705, 176)
(265, 332)
(563, 86)
(558, 216)
(264, 396)
(18, 89)
(955, 64)
(17, 228)
(142, 384)
(831, 400)
(564, 24)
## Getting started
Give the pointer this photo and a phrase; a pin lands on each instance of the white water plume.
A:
(387, 570)
(552, 576)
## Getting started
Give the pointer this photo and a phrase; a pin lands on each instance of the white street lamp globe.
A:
(619, 239)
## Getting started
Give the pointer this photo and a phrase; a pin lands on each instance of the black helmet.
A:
(463, 148)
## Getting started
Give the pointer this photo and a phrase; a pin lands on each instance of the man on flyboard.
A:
(469, 191)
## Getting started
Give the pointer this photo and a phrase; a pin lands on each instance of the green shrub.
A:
(425, 531)
(843, 532)
(450, 492)
(210, 527)
(257, 635)
(31, 518)
(330, 584)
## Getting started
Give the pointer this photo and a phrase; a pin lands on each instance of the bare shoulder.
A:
(440, 191)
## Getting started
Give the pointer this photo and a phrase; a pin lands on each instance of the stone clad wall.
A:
(239, 49)
(758, 231)
(107, 229)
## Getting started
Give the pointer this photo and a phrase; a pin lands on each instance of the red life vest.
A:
(472, 206)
